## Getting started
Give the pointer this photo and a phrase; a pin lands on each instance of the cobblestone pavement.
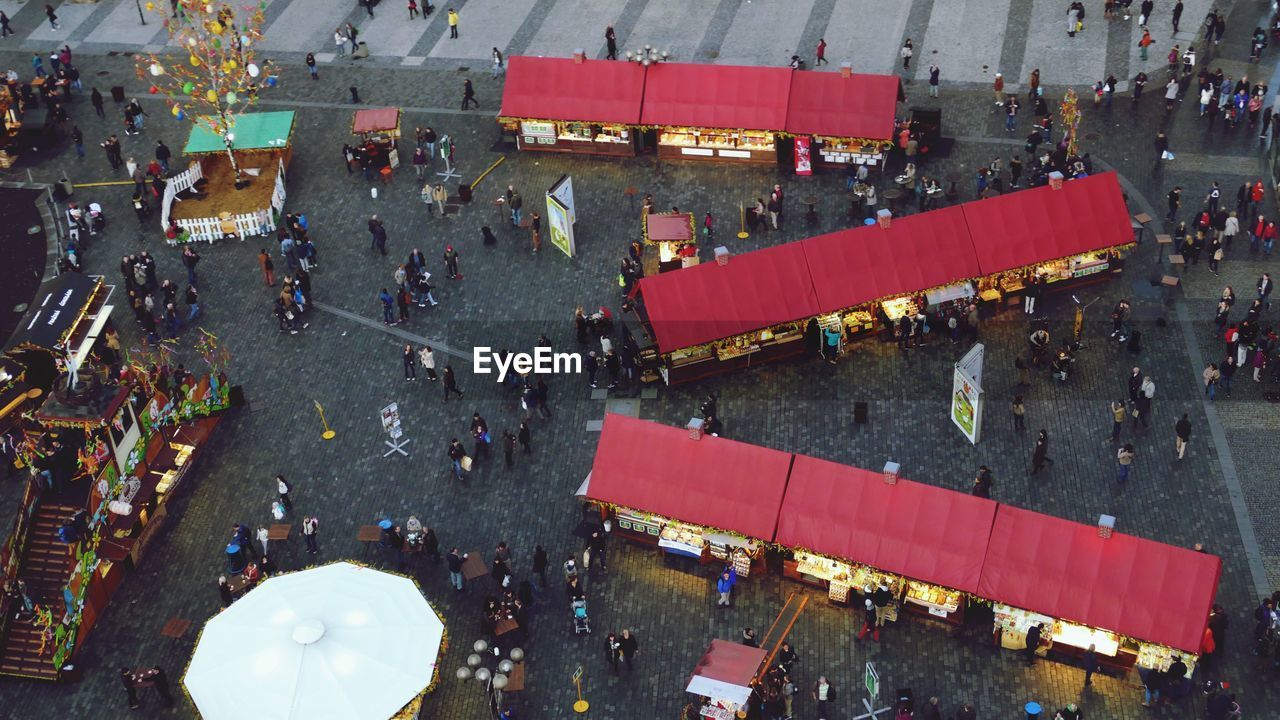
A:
(509, 296)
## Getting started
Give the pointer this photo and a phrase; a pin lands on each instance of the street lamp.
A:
(647, 56)
(493, 682)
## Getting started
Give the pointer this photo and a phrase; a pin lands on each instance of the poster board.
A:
(966, 394)
(560, 225)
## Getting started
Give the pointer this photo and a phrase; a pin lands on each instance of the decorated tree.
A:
(220, 75)
(1071, 119)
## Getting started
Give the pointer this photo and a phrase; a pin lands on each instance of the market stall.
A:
(847, 117)
(1067, 236)
(339, 640)
(723, 112)
(869, 275)
(724, 678)
(379, 132)
(210, 202)
(712, 318)
(572, 105)
(850, 529)
(670, 242)
(1137, 601)
(707, 498)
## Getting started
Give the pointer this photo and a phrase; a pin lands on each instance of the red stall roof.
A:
(926, 533)
(715, 96)
(709, 301)
(1141, 588)
(597, 91)
(1030, 226)
(375, 119)
(915, 252)
(713, 481)
(859, 106)
(665, 227)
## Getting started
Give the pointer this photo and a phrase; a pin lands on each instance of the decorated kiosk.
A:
(231, 190)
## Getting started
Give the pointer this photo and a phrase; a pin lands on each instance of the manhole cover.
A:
(1092, 137)
(20, 308)
(464, 69)
(35, 230)
(103, 73)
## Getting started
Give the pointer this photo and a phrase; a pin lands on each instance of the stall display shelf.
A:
(684, 539)
(898, 307)
(838, 592)
(1159, 657)
(933, 597)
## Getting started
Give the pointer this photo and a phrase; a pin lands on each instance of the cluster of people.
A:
(154, 302)
(463, 463)
(1247, 344)
(1234, 101)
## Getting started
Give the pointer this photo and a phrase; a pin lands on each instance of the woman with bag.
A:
(428, 360)
(480, 431)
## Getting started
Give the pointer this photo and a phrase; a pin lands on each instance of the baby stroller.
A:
(581, 623)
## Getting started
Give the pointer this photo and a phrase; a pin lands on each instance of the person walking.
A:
(540, 564)
(1264, 288)
(1040, 455)
(1019, 409)
(454, 561)
(310, 526)
(468, 94)
(130, 686)
(498, 67)
(5, 30)
(1182, 435)
(905, 53)
(629, 647)
(1090, 662)
(821, 53)
(428, 360)
(611, 43)
(413, 9)
(724, 586)
(268, 267)
(1011, 114)
(982, 482)
(1177, 16)
(1210, 375)
(451, 263)
(612, 652)
(1117, 417)
(450, 383)
(824, 694)
(457, 457)
(53, 17)
(282, 489)
(997, 87)
(1174, 199)
(935, 75)
(525, 437)
(1124, 460)
(508, 448)
(453, 24)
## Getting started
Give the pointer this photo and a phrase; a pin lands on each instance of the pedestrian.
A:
(1019, 411)
(450, 383)
(410, 363)
(130, 684)
(413, 9)
(905, 53)
(1040, 455)
(1177, 16)
(377, 235)
(5, 30)
(453, 24)
(724, 586)
(451, 258)
(311, 66)
(596, 551)
(1146, 391)
(440, 196)
(264, 538)
(1265, 286)
(1011, 113)
(355, 91)
(388, 304)
(224, 592)
(1033, 643)
(749, 637)
(1124, 460)
(535, 231)
(1210, 375)
(982, 482)
(1227, 370)
(77, 138)
(53, 17)
(498, 67)
(480, 433)
(428, 360)
(824, 694)
(1118, 418)
(611, 43)
(310, 526)
(612, 652)
(868, 618)
(1144, 43)
(821, 53)
(1182, 433)
(1090, 662)
(454, 561)
(629, 647)
(268, 267)
(95, 97)
(468, 93)
(525, 437)
(539, 565)
(508, 448)
(368, 6)
(340, 40)
(934, 75)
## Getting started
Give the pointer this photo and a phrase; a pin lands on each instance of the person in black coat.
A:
(629, 647)
(1033, 642)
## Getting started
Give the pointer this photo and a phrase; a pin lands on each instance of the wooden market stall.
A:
(379, 133)
(670, 242)
(847, 117)
(573, 105)
(724, 112)
(209, 202)
(689, 494)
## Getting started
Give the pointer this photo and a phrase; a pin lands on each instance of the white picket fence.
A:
(208, 229)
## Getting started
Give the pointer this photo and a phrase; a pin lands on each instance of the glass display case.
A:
(936, 599)
(694, 143)
(1159, 657)
(897, 307)
(682, 538)
(846, 151)
(586, 138)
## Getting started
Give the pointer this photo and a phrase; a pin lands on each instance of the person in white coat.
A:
(428, 360)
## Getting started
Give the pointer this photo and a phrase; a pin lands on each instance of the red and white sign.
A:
(804, 166)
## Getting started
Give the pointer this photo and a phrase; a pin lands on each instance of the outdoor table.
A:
(1177, 261)
(515, 680)
(368, 534)
(473, 567)
(894, 198)
(504, 626)
(1161, 242)
(811, 217)
(237, 584)
(175, 628)
(279, 531)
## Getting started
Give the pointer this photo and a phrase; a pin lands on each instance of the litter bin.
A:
(464, 192)
(63, 189)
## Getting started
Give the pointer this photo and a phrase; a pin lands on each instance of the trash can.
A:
(464, 192)
(1033, 710)
(63, 189)
(117, 93)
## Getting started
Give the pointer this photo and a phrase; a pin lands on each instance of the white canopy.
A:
(337, 641)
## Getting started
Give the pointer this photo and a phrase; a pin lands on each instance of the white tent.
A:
(337, 641)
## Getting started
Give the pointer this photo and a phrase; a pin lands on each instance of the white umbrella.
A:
(337, 641)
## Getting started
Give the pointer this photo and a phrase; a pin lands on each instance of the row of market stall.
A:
(760, 306)
(709, 112)
(844, 529)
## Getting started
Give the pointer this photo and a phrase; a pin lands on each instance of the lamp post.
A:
(494, 680)
(140, 15)
(648, 56)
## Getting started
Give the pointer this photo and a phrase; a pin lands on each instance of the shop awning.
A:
(709, 302)
(1032, 226)
(58, 306)
(725, 672)
(859, 106)
(253, 131)
(715, 96)
(375, 120)
(710, 482)
(1144, 589)
(597, 91)
(914, 253)
(922, 532)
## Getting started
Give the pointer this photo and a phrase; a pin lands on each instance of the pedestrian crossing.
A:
(968, 39)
